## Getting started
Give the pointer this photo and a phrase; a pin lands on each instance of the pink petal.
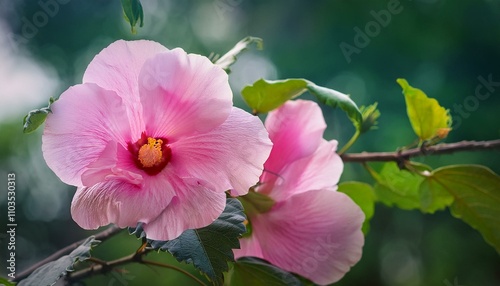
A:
(183, 94)
(115, 162)
(117, 68)
(230, 156)
(121, 202)
(296, 130)
(83, 121)
(196, 205)
(316, 234)
(249, 246)
(320, 170)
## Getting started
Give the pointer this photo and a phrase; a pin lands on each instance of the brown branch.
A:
(422, 151)
(105, 234)
(103, 267)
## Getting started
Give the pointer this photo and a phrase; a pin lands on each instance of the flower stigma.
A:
(150, 153)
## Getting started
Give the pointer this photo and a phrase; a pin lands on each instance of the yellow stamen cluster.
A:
(150, 154)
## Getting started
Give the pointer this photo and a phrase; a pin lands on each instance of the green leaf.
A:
(428, 119)
(36, 117)
(334, 98)
(208, 248)
(133, 13)
(364, 196)
(5, 282)
(370, 116)
(266, 95)
(230, 57)
(433, 196)
(476, 197)
(257, 272)
(256, 203)
(49, 273)
(398, 187)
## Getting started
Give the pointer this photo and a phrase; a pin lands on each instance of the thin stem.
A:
(102, 236)
(350, 142)
(424, 150)
(174, 268)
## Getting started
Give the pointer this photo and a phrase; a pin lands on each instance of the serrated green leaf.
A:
(476, 197)
(5, 282)
(334, 98)
(398, 187)
(133, 13)
(208, 248)
(257, 272)
(364, 196)
(428, 119)
(49, 273)
(230, 57)
(36, 117)
(266, 95)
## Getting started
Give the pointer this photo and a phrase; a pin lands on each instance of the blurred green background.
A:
(439, 46)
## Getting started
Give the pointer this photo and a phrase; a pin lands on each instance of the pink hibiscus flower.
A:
(312, 229)
(152, 136)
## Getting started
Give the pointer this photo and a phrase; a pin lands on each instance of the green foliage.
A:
(334, 98)
(208, 248)
(370, 116)
(474, 195)
(133, 13)
(398, 187)
(364, 196)
(256, 203)
(230, 57)
(428, 119)
(257, 272)
(5, 282)
(471, 192)
(49, 273)
(265, 95)
(433, 195)
(36, 117)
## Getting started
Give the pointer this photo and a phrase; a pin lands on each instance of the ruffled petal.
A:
(230, 156)
(117, 68)
(115, 162)
(296, 130)
(316, 234)
(82, 123)
(320, 170)
(183, 94)
(121, 202)
(196, 205)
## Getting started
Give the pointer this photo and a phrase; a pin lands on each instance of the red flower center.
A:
(150, 154)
